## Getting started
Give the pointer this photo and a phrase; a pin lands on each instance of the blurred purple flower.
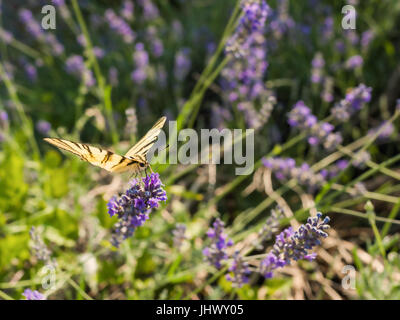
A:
(318, 64)
(40, 250)
(285, 169)
(386, 130)
(336, 168)
(6, 36)
(354, 62)
(281, 21)
(58, 2)
(179, 235)
(219, 116)
(252, 21)
(30, 71)
(366, 39)
(327, 28)
(31, 24)
(3, 118)
(55, 46)
(352, 37)
(271, 225)
(327, 92)
(140, 56)
(113, 76)
(240, 271)
(318, 132)
(353, 102)
(182, 64)
(43, 127)
(75, 65)
(33, 295)
(150, 10)
(98, 52)
(215, 253)
(127, 10)
(120, 26)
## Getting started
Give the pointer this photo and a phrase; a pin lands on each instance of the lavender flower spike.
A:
(240, 270)
(216, 252)
(295, 245)
(353, 102)
(134, 206)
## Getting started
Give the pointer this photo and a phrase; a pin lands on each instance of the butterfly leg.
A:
(134, 174)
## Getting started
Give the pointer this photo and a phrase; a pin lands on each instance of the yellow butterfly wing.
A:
(96, 156)
(141, 148)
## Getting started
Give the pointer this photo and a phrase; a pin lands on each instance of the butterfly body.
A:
(134, 160)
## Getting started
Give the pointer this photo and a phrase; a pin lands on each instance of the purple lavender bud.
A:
(216, 253)
(31, 24)
(353, 102)
(3, 118)
(33, 295)
(58, 3)
(113, 76)
(327, 28)
(139, 76)
(43, 127)
(327, 93)
(271, 225)
(31, 72)
(56, 47)
(340, 46)
(98, 52)
(295, 245)
(285, 169)
(75, 64)
(81, 40)
(385, 130)
(252, 21)
(354, 62)
(88, 78)
(179, 235)
(318, 64)
(140, 56)
(6, 36)
(182, 64)
(366, 38)
(40, 250)
(120, 26)
(127, 10)
(352, 36)
(150, 10)
(157, 47)
(240, 271)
